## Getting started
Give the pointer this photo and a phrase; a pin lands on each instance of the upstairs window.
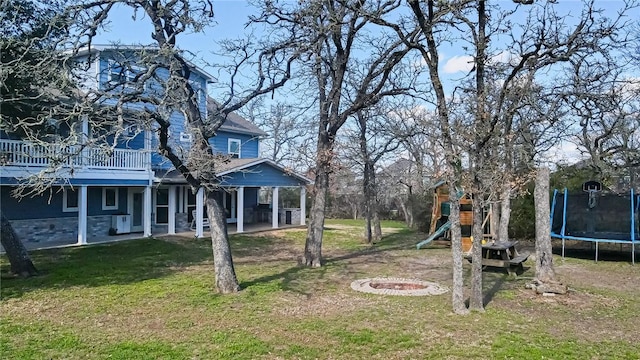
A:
(234, 148)
(123, 74)
(185, 137)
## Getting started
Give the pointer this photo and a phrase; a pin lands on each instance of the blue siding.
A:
(248, 149)
(260, 175)
(44, 206)
(32, 207)
(177, 120)
(136, 142)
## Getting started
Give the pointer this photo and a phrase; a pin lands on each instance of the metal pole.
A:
(564, 219)
(633, 229)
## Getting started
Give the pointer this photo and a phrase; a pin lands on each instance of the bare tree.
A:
(545, 42)
(352, 68)
(32, 78)
(370, 141)
(290, 128)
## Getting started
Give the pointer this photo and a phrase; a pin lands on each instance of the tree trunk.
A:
(457, 293)
(505, 213)
(369, 194)
(495, 221)
(405, 211)
(313, 244)
(225, 274)
(19, 259)
(476, 302)
(545, 272)
(377, 229)
(368, 234)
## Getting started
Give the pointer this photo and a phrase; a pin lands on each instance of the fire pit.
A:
(398, 286)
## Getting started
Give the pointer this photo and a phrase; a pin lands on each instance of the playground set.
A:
(595, 215)
(440, 224)
(501, 254)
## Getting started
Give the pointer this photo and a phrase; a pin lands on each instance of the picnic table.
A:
(502, 254)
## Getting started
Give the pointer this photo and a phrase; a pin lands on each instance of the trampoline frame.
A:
(632, 233)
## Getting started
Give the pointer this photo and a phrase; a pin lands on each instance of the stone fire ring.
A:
(398, 286)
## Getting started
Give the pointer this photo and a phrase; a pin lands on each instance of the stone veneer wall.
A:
(60, 229)
(98, 226)
(182, 222)
(295, 216)
(182, 225)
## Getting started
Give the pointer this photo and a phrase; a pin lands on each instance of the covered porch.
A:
(253, 192)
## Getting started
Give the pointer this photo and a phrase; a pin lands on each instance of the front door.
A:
(136, 209)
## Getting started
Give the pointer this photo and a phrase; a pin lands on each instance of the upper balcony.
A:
(21, 154)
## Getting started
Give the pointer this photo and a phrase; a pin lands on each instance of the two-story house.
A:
(131, 188)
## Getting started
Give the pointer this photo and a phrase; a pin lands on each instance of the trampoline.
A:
(595, 216)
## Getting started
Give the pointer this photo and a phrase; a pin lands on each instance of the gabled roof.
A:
(235, 165)
(235, 123)
(229, 167)
(117, 47)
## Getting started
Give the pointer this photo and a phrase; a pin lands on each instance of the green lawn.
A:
(153, 299)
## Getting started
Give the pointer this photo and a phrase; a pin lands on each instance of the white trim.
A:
(104, 198)
(231, 141)
(199, 212)
(303, 205)
(240, 206)
(82, 214)
(147, 207)
(172, 210)
(65, 201)
(274, 214)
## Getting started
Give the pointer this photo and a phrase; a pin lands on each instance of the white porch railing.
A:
(21, 153)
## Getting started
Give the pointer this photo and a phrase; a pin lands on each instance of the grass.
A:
(154, 299)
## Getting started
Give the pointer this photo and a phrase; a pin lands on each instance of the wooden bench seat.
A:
(519, 259)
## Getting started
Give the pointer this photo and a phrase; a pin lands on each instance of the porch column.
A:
(274, 215)
(172, 210)
(146, 219)
(199, 212)
(82, 214)
(240, 209)
(303, 205)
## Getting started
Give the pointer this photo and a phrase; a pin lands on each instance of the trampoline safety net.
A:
(596, 216)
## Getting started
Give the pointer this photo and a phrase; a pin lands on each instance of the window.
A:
(109, 198)
(123, 73)
(185, 137)
(69, 200)
(162, 206)
(234, 148)
(191, 203)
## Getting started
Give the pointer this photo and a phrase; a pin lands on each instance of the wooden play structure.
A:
(501, 254)
(440, 225)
